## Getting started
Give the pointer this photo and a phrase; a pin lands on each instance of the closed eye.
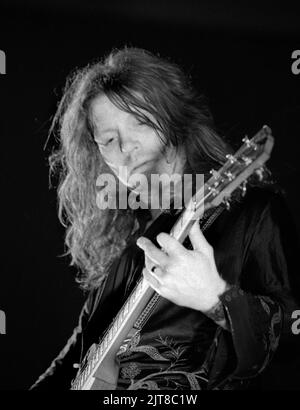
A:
(104, 144)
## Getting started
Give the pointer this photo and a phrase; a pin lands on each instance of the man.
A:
(224, 296)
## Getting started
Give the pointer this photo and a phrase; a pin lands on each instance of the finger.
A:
(169, 244)
(152, 280)
(149, 264)
(157, 273)
(198, 239)
(157, 256)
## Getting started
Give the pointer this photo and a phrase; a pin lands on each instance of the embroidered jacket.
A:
(181, 348)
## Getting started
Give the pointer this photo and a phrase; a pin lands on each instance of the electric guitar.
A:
(99, 369)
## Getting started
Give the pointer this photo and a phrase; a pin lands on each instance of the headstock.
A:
(248, 160)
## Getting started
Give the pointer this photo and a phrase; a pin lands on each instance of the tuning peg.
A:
(243, 187)
(213, 190)
(249, 143)
(214, 173)
(260, 173)
(246, 141)
(231, 158)
(229, 175)
(226, 202)
(247, 160)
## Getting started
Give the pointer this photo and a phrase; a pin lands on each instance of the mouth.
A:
(140, 165)
(135, 171)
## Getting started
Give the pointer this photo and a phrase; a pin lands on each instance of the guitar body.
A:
(106, 375)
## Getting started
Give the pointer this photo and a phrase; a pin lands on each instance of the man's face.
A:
(125, 142)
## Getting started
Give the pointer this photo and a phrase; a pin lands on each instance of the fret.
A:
(105, 342)
(129, 304)
(126, 308)
(109, 336)
(101, 349)
(77, 383)
(133, 297)
(121, 314)
(115, 326)
(119, 320)
(140, 286)
(86, 373)
(81, 381)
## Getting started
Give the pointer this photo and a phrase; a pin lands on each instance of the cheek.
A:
(154, 149)
(110, 157)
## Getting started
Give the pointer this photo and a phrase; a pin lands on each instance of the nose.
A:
(129, 148)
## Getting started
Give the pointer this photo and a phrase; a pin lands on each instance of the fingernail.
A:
(140, 242)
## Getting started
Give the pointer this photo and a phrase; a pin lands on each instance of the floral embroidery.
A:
(271, 338)
(265, 306)
(130, 371)
(274, 340)
(174, 355)
(146, 385)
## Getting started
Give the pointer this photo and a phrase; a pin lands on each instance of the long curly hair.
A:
(135, 80)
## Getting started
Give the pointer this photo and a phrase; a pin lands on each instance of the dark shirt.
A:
(181, 348)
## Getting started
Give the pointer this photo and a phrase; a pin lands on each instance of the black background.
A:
(239, 56)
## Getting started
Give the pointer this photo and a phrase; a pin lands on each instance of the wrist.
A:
(220, 289)
(218, 315)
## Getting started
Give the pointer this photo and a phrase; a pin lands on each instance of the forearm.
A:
(255, 323)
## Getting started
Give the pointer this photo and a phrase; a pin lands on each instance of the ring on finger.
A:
(154, 268)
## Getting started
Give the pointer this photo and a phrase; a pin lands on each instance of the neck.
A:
(162, 195)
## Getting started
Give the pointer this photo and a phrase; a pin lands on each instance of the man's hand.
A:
(185, 277)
